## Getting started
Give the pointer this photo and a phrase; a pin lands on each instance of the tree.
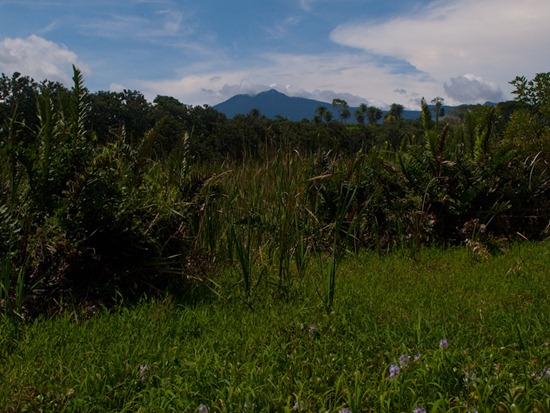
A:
(175, 118)
(322, 114)
(255, 114)
(396, 110)
(535, 92)
(360, 113)
(112, 110)
(374, 114)
(18, 104)
(343, 109)
(439, 109)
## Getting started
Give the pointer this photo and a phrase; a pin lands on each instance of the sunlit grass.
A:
(290, 355)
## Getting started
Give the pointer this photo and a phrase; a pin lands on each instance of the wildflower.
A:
(345, 410)
(443, 343)
(469, 378)
(312, 330)
(404, 361)
(544, 374)
(419, 409)
(248, 407)
(417, 356)
(394, 371)
(297, 406)
(203, 409)
(143, 371)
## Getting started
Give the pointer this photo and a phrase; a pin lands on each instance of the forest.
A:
(106, 195)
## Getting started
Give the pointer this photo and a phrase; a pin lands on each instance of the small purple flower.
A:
(417, 356)
(404, 361)
(297, 406)
(203, 409)
(443, 343)
(394, 371)
(419, 409)
(249, 407)
(143, 371)
(345, 410)
(469, 378)
(311, 331)
(544, 374)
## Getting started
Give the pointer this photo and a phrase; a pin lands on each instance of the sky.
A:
(206, 51)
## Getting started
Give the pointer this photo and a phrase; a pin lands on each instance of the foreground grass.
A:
(443, 331)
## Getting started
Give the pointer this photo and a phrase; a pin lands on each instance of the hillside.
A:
(273, 103)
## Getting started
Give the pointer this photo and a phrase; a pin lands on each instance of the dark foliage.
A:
(106, 194)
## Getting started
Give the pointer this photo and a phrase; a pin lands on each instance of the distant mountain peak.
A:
(273, 103)
(271, 92)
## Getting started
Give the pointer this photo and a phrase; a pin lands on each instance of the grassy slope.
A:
(222, 354)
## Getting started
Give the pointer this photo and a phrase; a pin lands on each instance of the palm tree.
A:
(396, 110)
(344, 108)
(439, 109)
(322, 114)
(360, 113)
(374, 114)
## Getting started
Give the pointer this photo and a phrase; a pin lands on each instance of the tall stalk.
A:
(346, 197)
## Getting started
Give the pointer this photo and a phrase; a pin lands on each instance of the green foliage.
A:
(88, 219)
(163, 355)
(535, 93)
(343, 109)
(108, 195)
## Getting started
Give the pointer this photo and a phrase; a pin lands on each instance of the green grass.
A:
(229, 350)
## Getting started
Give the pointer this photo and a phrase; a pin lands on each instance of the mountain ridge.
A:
(272, 104)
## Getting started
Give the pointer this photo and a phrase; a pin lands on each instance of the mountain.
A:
(273, 103)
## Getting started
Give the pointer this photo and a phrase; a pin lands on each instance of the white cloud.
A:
(496, 39)
(322, 77)
(116, 87)
(426, 53)
(162, 23)
(172, 21)
(280, 29)
(473, 89)
(306, 4)
(39, 58)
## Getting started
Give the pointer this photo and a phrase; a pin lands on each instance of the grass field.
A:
(445, 331)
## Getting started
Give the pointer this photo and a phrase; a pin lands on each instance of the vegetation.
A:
(446, 332)
(106, 198)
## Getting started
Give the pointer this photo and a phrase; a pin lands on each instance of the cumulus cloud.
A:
(473, 89)
(39, 58)
(322, 77)
(399, 59)
(498, 39)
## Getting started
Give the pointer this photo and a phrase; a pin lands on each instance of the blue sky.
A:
(204, 52)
